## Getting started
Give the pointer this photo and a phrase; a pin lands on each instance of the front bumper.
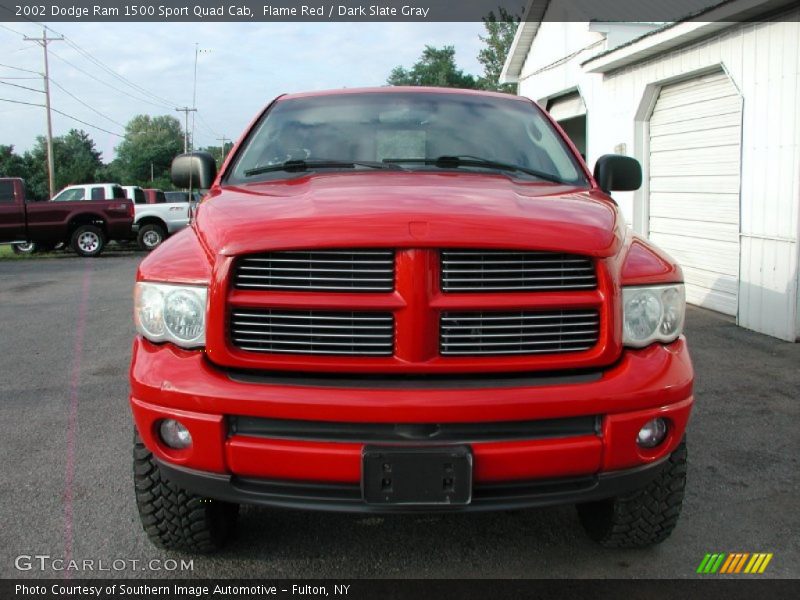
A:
(343, 497)
(536, 440)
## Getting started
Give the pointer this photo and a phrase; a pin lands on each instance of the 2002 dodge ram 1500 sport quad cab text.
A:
(401, 300)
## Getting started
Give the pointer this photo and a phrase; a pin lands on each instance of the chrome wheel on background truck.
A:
(151, 236)
(88, 240)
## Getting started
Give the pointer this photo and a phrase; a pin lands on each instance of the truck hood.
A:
(392, 209)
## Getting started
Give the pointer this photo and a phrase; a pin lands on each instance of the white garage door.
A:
(695, 134)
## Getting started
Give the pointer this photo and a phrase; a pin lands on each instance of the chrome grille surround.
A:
(335, 270)
(515, 271)
(518, 333)
(285, 331)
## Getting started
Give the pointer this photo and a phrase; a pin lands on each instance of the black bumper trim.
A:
(398, 433)
(336, 497)
(431, 381)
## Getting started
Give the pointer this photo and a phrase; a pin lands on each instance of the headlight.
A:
(171, 313)
(652, 314)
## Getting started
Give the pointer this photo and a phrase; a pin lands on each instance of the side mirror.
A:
(194, 170)
(617, 172)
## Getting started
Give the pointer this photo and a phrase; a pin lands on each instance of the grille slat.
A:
(511, 271)
(477, 333)
(318, 270)
(313, 332)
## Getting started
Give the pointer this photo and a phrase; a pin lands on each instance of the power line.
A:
(12, 30)
(163, 102)
(21, 102)
(24, 87)
(207, 126)
(87, 124)
(21, 69)
(62, 113)
(105, 83)
(74, 97)
(88, 55)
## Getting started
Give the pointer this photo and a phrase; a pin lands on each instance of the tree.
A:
(216, 152)
(436, 67)
(76, 161)
(145, 154)
(500, 31)
(12, 164)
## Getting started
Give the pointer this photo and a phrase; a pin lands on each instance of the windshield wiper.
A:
(452, 162)
(305, 165)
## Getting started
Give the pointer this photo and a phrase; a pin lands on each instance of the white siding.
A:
(763, 61)
(695, 133)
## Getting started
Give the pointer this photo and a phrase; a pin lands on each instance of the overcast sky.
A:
(242, 67)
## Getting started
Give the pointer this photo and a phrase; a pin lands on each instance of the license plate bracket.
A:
(419, 476)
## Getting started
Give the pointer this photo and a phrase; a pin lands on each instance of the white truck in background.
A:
(156, 221)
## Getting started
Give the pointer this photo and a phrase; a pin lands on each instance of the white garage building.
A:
(711, 109)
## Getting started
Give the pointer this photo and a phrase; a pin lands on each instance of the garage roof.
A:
(671, 14)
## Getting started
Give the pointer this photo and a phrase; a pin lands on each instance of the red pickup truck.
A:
(405, 300)
(86, 225)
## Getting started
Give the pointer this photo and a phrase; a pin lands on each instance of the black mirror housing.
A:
(615, 172)
(194, 170)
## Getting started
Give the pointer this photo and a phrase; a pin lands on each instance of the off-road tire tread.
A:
(174, 518)
(643, 517)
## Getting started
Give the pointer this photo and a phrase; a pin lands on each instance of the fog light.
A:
(174, 434)
(652, 433)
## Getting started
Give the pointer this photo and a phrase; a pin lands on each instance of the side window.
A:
(119, 193)
(98, 193)
(6, 191)
(160, 198)
(69, 195)
(138, 195)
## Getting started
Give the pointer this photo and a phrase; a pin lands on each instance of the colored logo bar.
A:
(735, 562)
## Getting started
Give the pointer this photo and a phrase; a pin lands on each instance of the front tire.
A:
(150, 236)
(174, 518)
(88, 240)
(643, 517)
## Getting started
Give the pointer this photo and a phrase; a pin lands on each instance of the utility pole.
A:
(223, 139)
(43, 41)
(186, 110)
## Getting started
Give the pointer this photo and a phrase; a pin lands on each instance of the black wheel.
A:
(25, 248)
(88, 240)
(643, 517)
(150, 236)
(174, 518)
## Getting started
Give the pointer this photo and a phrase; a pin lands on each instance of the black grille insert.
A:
(330, 431)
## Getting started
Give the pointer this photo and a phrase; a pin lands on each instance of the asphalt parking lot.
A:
(66, 488)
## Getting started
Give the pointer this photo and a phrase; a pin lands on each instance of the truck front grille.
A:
(514, 271)
(518, 332)
(354, 270)
(313, 332)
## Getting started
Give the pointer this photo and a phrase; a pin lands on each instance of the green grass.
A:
(6, 253)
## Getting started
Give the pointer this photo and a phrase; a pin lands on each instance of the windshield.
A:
(412, 130)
